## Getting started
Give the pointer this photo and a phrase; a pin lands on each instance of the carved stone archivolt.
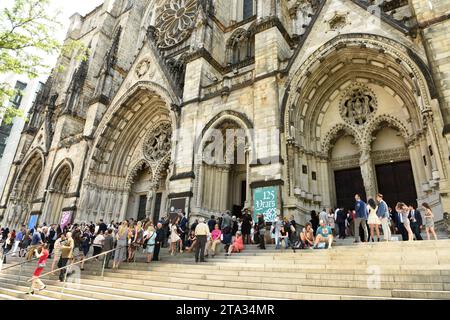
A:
(358, 104)
(158, 142)
(175, 22)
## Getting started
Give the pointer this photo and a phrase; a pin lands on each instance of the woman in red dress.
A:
(35, 280)
(238, 244)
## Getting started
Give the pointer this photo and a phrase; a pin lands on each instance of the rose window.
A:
(175, 22)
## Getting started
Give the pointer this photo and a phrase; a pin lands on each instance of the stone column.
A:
(225, 187)
(151, 197)
(368, 173)
(247, 186)
(424, 151)
(417, 166)
(199, 195)
(324, 187)
(123, 210)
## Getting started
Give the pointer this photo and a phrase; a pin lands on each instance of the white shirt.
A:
(98, 241)
(335, 214)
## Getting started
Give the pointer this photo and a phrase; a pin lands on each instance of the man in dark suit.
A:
(182, 228)
(102, 227)
(399, 226)
(416, 222)
(340, 220)
(158, 241)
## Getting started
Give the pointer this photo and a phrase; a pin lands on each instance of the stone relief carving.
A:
(158, 143)
(367, 172)
(175, 22)
(358, 104)
(338, 21)
(144, 67)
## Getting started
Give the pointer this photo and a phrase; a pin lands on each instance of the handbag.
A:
(41, 265)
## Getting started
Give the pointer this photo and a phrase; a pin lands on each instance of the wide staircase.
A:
(395, 270)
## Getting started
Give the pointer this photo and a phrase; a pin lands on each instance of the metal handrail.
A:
(19, 264)
(82, 261)
(27, 261)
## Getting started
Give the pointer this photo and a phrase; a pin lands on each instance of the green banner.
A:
(265, 202)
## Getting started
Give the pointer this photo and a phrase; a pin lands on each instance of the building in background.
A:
(10, 134)
(355, 95)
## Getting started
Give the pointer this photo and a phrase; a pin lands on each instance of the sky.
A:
(66, 8)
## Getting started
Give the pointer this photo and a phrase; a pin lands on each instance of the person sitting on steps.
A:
(324, 235)
(238, 244)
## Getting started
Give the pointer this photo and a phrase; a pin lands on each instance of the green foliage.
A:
(26, 37)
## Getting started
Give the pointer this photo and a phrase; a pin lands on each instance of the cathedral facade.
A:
(327, 98)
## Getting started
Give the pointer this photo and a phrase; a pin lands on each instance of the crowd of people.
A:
(119, 242)
(367, 221)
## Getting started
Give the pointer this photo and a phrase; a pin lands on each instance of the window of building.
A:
(305, 169)
(16, 100)
(241, 46)
(5, 129)
(248, 9)
(425, 161)
(314, 175)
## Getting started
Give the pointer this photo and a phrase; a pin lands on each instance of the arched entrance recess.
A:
(133, 151)
(222, 167)
(25, 190)
(359, 104)
(58, 191)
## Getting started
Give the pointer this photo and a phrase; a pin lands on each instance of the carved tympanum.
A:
(358, 104)
(158, 143)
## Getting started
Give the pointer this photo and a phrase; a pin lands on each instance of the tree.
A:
(26, 37)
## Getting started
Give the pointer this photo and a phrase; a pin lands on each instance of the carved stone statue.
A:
(358, 104)
(368, 173)
(158, 143)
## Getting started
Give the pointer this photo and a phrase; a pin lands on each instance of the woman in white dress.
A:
(429, 221)
(373, 220)
(404, 211)
(175, 238)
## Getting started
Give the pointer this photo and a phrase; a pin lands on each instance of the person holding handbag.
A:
(150, 238)
(35, 280)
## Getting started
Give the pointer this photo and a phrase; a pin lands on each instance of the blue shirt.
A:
(324, 231)
(19, 236)
(383, 211)
(36, 239)
(361, 209)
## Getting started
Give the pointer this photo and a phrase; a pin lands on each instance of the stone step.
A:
(254, 276)
(8, 297)
(70, 292)
(425, 260)
(282, 267)
(149, 291)
(222, 294)
(249, 276)
(242, 288)
(259, 282)
(14, 294)
(421, 294)
(98, 292)
(51, 293)
(418, 270)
